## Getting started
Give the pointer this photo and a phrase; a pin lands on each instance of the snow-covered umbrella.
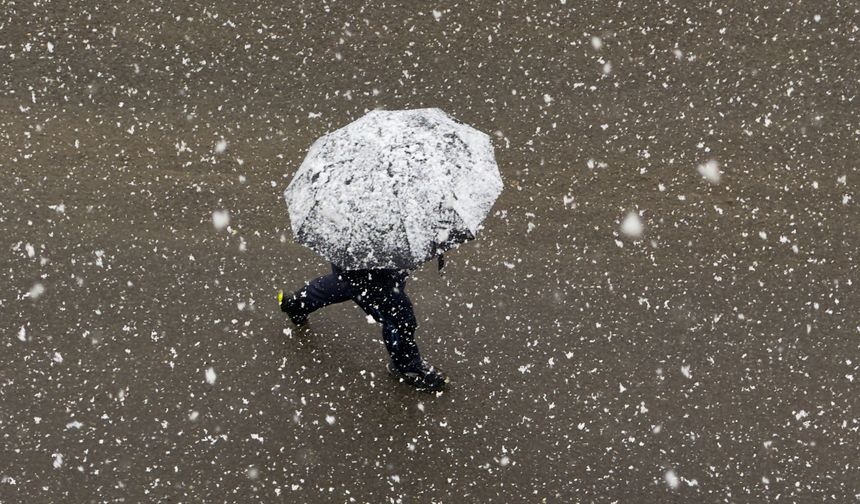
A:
(393, 189)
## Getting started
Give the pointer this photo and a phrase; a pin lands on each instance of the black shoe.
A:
(423, 376)
(286, 307)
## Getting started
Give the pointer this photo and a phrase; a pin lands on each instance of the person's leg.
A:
(382, 296)
(319, 292)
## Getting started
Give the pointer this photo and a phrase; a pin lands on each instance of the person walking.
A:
(381, 293)
(378, 198)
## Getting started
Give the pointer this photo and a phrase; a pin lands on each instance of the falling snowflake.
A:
(220, 219)
(36, 291)
(671, 479)
(632, 226)
(710, 170)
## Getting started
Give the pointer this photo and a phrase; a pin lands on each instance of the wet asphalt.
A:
(714, 358)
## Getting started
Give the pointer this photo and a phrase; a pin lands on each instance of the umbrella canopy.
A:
(393, 189)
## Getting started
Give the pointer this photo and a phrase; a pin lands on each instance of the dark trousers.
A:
(381, 294)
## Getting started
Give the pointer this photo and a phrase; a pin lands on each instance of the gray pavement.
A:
(713, 359)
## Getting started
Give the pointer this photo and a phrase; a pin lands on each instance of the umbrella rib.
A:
(402, 216)
(313, 197)
(408, 243)
(305, 220)
(305, 216)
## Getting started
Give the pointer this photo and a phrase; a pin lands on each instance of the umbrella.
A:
(393, 189)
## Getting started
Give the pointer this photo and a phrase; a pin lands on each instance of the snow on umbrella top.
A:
(393, 188)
